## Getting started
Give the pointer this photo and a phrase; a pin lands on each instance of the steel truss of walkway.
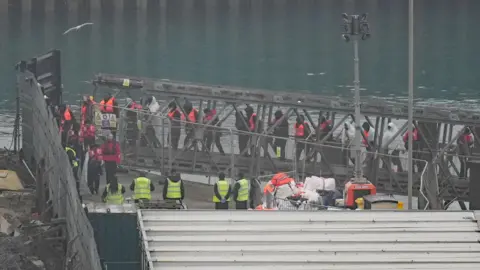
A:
(437, 172)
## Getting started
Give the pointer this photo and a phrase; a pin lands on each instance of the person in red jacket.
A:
(111, 156)
(87, 134)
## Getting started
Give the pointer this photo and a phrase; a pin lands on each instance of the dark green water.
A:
(272, 44)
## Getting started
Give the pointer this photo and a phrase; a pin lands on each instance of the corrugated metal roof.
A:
(311, 240)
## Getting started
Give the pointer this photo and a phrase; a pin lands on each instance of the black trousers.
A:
(110, 170)
(300, 148)
(221, 206)
(241, 205)
(93, 182)
(190, 134)
(463, 167)
(175, 137)
(243, 142)
(214, 136)
(152, 137)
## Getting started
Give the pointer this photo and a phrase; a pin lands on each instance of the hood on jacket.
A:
(175, 178)
(391, 126)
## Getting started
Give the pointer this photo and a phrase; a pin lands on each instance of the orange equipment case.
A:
(354, 190)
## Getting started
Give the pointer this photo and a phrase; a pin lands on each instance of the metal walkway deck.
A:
(437, 171)
(310, 240)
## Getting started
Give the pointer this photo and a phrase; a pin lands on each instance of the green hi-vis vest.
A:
(243, 191)
(74, 162)
(278, 151)
(173, 190)
(142, 188)
(223, 187)
(114, 198)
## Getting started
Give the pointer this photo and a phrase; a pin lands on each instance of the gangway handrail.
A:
(296, 99)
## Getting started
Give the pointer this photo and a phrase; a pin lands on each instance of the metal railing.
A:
(332, 156)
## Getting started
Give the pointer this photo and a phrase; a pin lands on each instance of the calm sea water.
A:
(271, 44)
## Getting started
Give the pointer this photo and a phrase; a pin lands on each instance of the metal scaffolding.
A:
(435, 172)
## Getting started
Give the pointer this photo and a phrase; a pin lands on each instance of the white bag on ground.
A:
(313, 183)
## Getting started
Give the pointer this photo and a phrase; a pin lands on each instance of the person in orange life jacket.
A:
(131, 119)
(416, 148)
(221, 192)
(252, 119)
(210, 133)
(95, 159)
(66, 121)
(252, 124)
(111, 156)
(324, 128)
(302, 132)
(109, 105)
(415, 137)
(191, 117)
(175, 117)
(369, 134)
(465, 143)
(281, 130)
(240, 121)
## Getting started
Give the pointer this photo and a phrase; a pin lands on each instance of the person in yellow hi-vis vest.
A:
(241, 192)
(113, 193)
(142, 188)
(173, 188)
(221, 192)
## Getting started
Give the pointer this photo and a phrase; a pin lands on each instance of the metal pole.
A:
(410, 104)
(358, 134)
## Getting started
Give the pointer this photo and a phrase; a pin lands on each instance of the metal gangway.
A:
(436, 164)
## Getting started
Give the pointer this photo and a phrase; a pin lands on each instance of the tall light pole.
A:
(355, 27)
(410, 104)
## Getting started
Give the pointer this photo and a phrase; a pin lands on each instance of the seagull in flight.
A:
(75, 28)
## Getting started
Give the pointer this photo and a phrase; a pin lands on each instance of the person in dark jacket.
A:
(241, 193)
(111, 154)
(302, 132)
(253, 126)
(191, 117)
(94, 170)
(173, 188)
(324, 128)
(132, 185)
(221, 192)
(465, 144)
(211, 133)
(281, 130)
(240, 121)
(113, 185)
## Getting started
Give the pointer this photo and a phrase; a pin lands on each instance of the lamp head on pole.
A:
(354, 25)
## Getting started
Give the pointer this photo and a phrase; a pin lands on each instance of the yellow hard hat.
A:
(359, 201)
(91, 97)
